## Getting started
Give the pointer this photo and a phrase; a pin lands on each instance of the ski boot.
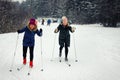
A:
(31, 64)
(66, 59)
(24, 61)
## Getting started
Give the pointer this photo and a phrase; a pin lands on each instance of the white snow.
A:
(97, 49)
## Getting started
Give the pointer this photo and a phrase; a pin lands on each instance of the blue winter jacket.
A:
(29, 36)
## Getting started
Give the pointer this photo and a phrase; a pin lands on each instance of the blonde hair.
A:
(64, 17)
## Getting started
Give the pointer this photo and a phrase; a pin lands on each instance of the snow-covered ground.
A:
(97, 49)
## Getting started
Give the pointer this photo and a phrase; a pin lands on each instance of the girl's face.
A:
(65, 21)
(32, 26)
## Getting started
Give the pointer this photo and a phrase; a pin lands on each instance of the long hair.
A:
(34, 29)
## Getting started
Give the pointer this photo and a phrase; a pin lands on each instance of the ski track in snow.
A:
(97, 48)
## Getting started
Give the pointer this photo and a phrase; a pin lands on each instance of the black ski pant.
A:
(66, 50)
(31, 52)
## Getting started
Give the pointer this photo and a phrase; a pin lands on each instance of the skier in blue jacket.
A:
(48, 22)
(29, 40)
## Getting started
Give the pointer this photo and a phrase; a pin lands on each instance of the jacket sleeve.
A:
(57, 29)
(38, 32)
(72, 29)
(22, 30)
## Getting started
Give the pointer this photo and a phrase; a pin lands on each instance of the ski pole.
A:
(53, 48)
(75, 48)
(41, 56)
(14, 54)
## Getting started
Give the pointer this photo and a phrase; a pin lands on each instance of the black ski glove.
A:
(41, 30)
(18, 31)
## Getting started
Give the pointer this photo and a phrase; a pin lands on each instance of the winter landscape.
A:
(97, 50)
(94, 52)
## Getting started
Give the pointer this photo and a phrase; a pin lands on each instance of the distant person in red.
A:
(29, 39)
(43, 21)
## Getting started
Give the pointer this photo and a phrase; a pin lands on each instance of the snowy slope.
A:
(97, 48)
